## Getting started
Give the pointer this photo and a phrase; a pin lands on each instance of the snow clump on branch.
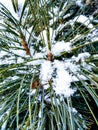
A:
(61, 74)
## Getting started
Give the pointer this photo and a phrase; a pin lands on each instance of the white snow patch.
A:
(76, 38)
(79, 3)
(83, 20)
(20, 60)
(74, 110)
(8, 5)
(36, 62)
(60, 27)
(45, 86)
(95, 56)
(62, 84)
(93, 35)
(63, 80)
(7, 61)
(43, 35)
(14, 77)
(63, 74)
(19, 52)
(46, 72)
(94, 39)
(82, 56)
(60, 47)
(40, 114)
(32, 92)
(71, 66)
(3, 127)
(20, 6)
(38, 55)
(3, 53)
(55, 102)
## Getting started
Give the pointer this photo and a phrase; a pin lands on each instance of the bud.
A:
(50, 56)
(36, 84)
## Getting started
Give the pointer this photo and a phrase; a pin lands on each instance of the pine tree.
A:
(49, 65)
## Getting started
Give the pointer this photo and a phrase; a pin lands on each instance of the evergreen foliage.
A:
(24, 102)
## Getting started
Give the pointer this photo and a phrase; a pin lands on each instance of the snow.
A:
(93, 35)
(74, 110)
(43, 36)
(2, 53)
(60, 27)
(35, 62)
(8, 5)
(19, 52)
(32, 92)
(20, 6)
(60, 47)
(46, 72)
(63, 73)
(76, 38)
(38, 55)
(78, 77)
(54, 15)
(95, 56)
(40, 114)
(37, 59)
(79, 3)
(6, 61)
(82, 56)
(63, 69)
(83, 20)
(57, 101)
(14, 77)
(63, 80)
(62, 83)
(20, 60)
(3, 127)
